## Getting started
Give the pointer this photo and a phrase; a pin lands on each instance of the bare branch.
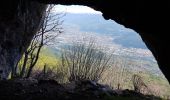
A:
(50, 29)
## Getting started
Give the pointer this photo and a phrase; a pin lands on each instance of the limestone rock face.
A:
(149, 18)
(16, 32)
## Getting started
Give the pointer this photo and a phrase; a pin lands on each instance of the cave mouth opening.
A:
(129, 49)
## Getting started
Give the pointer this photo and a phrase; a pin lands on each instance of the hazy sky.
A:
(75, 9)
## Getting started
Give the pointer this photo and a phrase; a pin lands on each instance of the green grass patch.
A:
(48, 57)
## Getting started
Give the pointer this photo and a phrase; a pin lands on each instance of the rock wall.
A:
(18, 23)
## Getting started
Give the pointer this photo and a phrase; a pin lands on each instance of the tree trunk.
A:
(33, 62)
(24, 65)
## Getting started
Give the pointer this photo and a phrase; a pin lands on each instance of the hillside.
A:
(124, 42)
(52, 90)
(128, 47)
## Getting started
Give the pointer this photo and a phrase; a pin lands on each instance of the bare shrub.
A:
(85, 60)
(117, 76)
(51, 73)
(139, 85)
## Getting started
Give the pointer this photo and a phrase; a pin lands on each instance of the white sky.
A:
(75, 9)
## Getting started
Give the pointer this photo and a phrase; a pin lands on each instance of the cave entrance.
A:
(131, 56)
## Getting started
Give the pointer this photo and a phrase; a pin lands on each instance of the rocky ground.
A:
(51, 90)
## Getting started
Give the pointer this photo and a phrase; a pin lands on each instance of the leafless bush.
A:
(55, 73)
(139, 85)
(117, 76)
(85, 60)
